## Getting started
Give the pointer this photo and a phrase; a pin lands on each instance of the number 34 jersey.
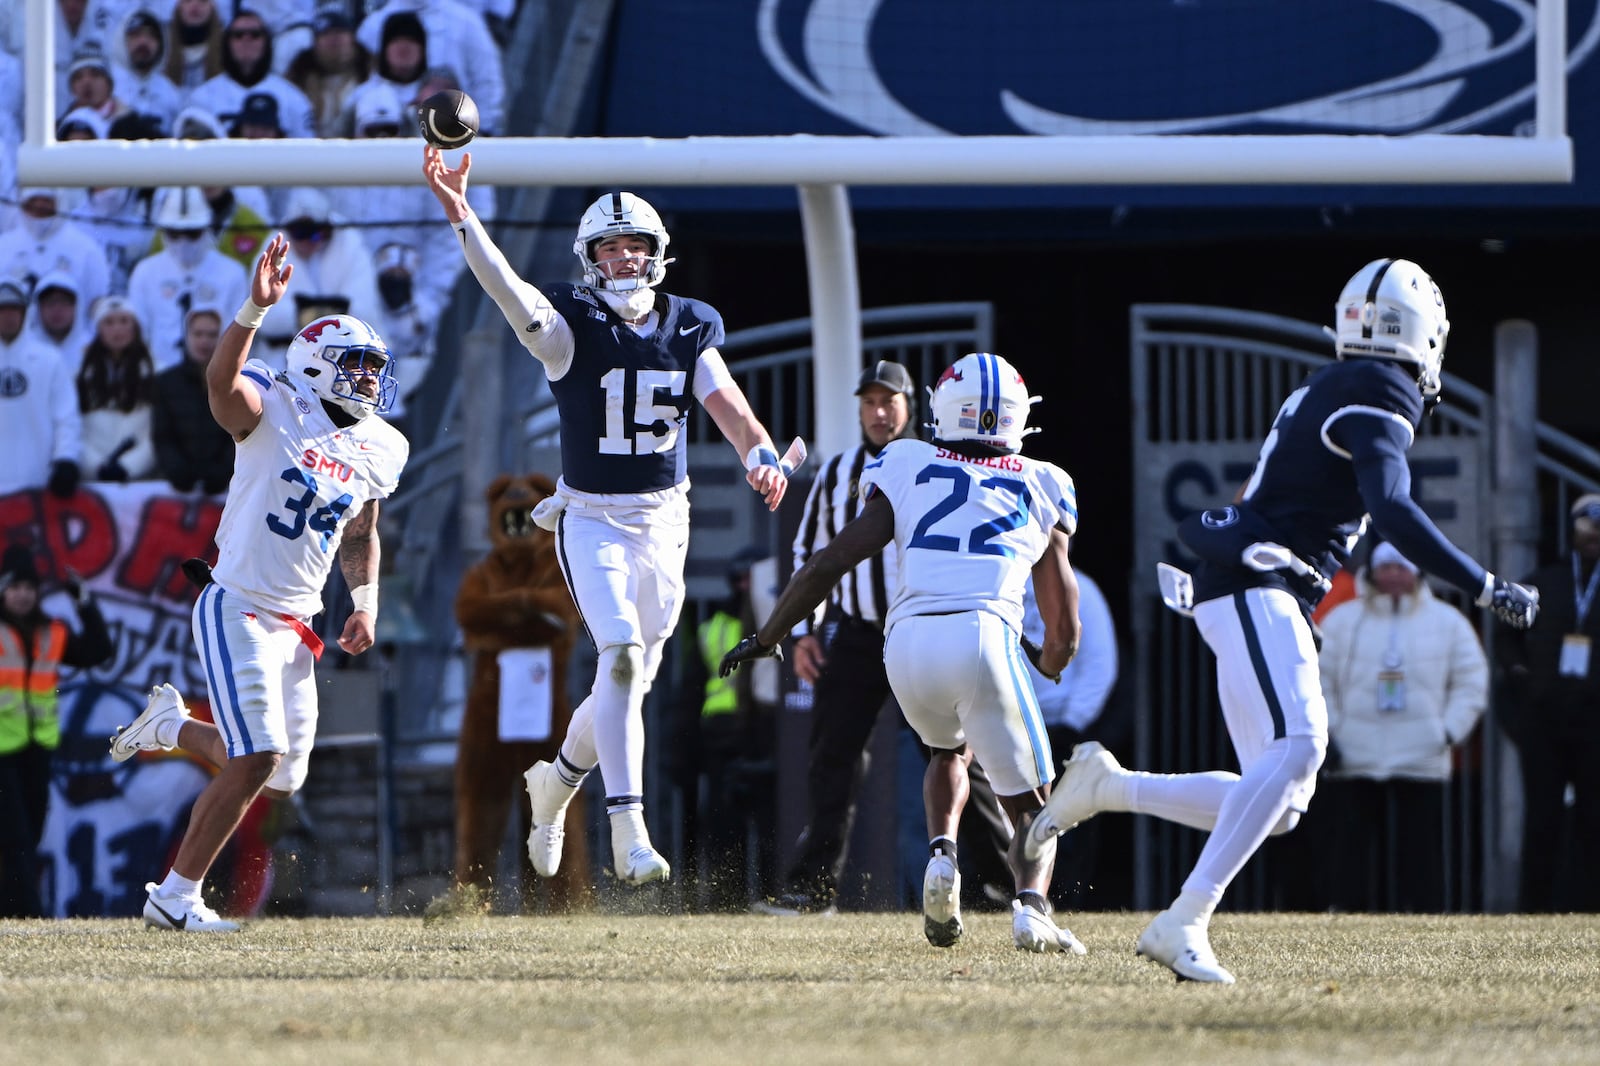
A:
(969, 529)
(298, 479)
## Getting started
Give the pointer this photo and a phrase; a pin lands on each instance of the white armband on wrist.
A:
(250, 315)
(759, 456)
(365, 598)
(1486, 594)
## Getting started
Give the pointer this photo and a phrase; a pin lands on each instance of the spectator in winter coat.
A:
(1406, 681)
(192, 450)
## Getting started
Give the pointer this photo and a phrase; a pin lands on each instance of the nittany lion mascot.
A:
(515, 597)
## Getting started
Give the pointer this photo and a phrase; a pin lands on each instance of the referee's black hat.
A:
(890, 375)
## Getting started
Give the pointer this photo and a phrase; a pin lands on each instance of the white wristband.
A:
(761, 455)
(250, 316)
(365, 598)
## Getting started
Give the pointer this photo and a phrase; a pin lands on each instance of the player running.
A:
(970, 516)
(1336, 454)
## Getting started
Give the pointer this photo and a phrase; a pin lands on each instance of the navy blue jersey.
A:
(1336, 455)
(624, 399)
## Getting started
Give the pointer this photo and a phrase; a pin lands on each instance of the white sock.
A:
(1188, 799)
(176, 885)
(1194, 908)
(627, 826)
(167, 731)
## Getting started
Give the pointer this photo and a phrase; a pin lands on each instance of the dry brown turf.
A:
(707, 990)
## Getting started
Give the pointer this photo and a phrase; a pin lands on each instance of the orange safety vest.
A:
(28, 699)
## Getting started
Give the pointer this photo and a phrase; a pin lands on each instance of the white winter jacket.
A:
(1446, 684)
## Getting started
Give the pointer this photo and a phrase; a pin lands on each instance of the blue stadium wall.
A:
(1063, 264)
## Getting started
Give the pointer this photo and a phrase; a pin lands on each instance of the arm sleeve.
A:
(1377, 447)
(539, 326)
(710, 374)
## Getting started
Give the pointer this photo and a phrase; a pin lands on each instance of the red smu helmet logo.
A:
(313, 331)
(950, 374)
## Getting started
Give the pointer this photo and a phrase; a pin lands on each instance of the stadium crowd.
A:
(100, 288)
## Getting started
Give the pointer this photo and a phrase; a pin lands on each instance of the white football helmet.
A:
(982, 398)
(616, 214)
(1391, 309)
(322, 355)
(182, 207)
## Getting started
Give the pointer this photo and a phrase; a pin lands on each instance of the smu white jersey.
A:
(297, 481)
(969, 529)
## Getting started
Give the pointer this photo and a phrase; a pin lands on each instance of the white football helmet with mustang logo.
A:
(982, 398)
(330, 354)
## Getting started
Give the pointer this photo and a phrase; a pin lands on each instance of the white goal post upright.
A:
(822, 167)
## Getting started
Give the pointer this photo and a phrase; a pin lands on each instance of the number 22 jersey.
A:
(297, 481)
(969, 529)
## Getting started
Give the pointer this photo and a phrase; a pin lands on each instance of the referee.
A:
(844, 663)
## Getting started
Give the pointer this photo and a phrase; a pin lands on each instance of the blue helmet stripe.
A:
(983, 389)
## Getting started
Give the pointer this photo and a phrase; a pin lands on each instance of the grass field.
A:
(709, 990)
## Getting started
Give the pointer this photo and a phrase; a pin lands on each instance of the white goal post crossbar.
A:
(822, 168)
(800, 159)
(1432, 159)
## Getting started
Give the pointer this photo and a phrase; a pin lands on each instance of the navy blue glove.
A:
(746, 650)
(1515, 605)
(63, 479)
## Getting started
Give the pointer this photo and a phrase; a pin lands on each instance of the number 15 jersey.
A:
(969, 529)
(298, 479)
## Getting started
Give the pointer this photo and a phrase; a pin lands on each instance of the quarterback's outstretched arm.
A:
(540, 329)
(235, 403)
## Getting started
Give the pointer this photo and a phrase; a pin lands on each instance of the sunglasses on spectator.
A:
(304, 230)
(184, 234)
(247, 32)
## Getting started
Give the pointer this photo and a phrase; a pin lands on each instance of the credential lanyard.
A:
(1584, 599)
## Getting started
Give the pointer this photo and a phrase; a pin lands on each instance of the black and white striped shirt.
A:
(835, 499)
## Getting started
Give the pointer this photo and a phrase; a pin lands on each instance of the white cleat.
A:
(636, 862)
(1033, 930)
(642, 865)
(182, 915)
(549, 798)
(139, 735)
(1075, 797)
(941, 901)
(1183, 949)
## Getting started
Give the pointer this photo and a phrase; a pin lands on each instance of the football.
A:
(448, 119)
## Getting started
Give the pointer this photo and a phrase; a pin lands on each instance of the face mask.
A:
(188, 251)
(395, 288)
(106, 201)
(41, 229)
